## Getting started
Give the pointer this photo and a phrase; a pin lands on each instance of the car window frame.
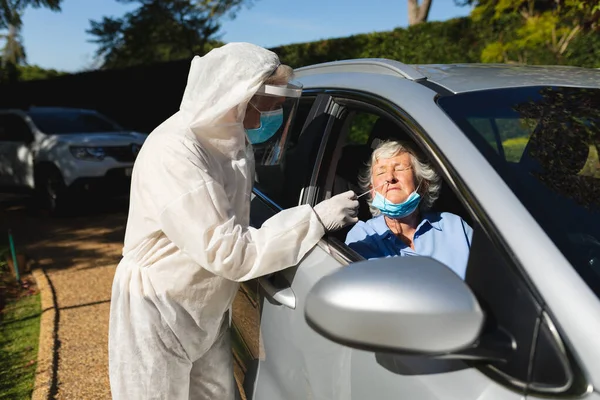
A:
(514, 181)
(368, 102)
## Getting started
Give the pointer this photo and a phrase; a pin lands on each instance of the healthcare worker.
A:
(188, 243)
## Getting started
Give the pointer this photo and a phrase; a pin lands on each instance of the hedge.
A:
(459, 40)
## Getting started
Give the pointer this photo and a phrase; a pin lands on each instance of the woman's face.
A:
(393, 177)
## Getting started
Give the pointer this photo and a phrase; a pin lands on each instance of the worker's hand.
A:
(338, 211)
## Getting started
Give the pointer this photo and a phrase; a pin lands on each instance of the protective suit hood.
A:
(221, 83)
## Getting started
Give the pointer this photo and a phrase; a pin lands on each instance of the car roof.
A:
(459, 78)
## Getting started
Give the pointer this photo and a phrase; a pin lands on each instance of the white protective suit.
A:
(187, 242)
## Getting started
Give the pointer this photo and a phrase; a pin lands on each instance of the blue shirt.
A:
(444, 236)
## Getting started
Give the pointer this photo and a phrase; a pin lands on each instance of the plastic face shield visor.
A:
(273, 108)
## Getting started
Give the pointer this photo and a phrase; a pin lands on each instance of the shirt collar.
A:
(379, 225)
(432, 219)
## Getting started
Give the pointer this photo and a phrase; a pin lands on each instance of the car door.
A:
(265, 366)
(16, 159)
(295, 361)
(298, 363)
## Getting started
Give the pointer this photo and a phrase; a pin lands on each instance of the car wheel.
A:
(50, 191)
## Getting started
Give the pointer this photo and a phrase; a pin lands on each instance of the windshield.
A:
(68, 122)
(544, 142)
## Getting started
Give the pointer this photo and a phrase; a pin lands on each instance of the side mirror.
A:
(411, 305)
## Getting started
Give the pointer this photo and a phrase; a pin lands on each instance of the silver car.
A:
(517, 147)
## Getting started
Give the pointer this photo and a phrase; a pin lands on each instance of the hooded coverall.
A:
(188, 243)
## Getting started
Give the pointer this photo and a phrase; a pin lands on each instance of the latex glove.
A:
(338, 211)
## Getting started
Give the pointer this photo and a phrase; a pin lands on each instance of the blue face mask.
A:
(394, 210)
(270, 122)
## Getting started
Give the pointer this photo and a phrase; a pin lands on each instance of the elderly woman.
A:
(402, 189)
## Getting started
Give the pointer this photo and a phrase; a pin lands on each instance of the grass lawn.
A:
(20, 310)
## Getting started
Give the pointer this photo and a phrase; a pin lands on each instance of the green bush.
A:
(456, 40)
(459, 40)
(584, 51)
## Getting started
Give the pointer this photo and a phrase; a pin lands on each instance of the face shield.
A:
(269, 117)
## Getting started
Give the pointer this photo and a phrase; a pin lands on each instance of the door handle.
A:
(278, 290)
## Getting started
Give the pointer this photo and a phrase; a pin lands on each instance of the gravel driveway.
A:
(78, 255)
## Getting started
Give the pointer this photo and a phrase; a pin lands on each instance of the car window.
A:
(283, 183)
(363, 129)
(552, 165)
(72, 122)
(14, 129)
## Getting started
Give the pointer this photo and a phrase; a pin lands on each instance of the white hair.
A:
(427, 180)
(282, 75)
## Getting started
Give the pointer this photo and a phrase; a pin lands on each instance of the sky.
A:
(58, 40)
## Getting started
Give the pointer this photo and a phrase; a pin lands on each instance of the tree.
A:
(418, 13)
(13, 55)
(219, 8)
(12, 10)
(160, 30)
(549, 24)
(13, 52)
(33, 72)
